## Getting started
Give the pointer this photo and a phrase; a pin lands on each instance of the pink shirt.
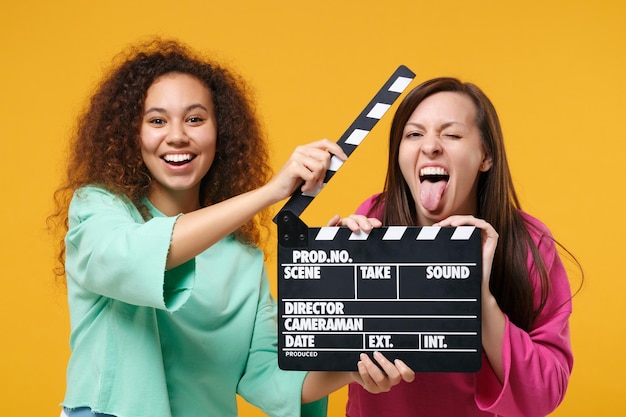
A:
(537, 364)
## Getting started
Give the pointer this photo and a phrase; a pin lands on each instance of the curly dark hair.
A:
(105, 146)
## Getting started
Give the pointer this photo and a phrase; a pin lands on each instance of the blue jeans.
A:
(83, 412)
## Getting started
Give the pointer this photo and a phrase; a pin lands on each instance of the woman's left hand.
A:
(489, 240)
(493, 319)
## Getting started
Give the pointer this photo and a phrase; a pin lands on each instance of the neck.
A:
(172, 203)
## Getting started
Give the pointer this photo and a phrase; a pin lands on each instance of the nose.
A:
(431, 144)
(176, 134)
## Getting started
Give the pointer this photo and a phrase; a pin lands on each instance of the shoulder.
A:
(543, 240)
(550, 252)
(366, 208)
(536, 228)
(95, 192)
(92, 199)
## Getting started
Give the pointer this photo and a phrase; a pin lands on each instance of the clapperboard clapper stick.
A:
(412, 293)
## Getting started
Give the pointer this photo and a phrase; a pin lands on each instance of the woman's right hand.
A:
(381, 379)
(306, 168)
(375, 375)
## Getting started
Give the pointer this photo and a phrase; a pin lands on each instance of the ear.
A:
(486, 164)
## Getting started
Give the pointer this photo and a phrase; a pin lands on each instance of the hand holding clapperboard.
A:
(412, 293)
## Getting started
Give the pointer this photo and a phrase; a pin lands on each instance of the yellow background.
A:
(554, 69)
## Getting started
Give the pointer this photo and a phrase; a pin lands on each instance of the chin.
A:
(430, 217)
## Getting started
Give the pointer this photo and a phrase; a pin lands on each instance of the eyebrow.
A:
(443, 126)
(187, 109)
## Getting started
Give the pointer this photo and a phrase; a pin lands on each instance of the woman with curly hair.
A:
(447, 167)
(170, 308)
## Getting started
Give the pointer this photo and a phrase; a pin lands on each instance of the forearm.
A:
(318, 384)
(196, 231)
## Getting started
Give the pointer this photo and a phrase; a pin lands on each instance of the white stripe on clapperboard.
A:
(357, 135)
(396, 232)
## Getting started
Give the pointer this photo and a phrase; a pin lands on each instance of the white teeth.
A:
(433, 171)
(177, 157)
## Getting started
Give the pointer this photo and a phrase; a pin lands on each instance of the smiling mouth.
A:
(433, 174)
(178, 159)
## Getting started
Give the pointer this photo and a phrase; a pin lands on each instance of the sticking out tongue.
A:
(430, 194)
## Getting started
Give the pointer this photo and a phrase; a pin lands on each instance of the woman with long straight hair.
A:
(447, 167)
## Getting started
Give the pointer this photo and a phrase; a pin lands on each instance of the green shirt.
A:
(153, 343)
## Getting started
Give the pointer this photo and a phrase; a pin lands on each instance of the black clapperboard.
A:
(411, 293)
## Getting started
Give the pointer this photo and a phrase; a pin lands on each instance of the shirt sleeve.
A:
(275, 391)
(538, 363)
(111, 251)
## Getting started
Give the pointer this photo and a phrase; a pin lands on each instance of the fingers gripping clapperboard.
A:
(411, 293)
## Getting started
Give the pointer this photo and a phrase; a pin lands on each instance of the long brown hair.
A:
(498, 203)
(105, 148)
